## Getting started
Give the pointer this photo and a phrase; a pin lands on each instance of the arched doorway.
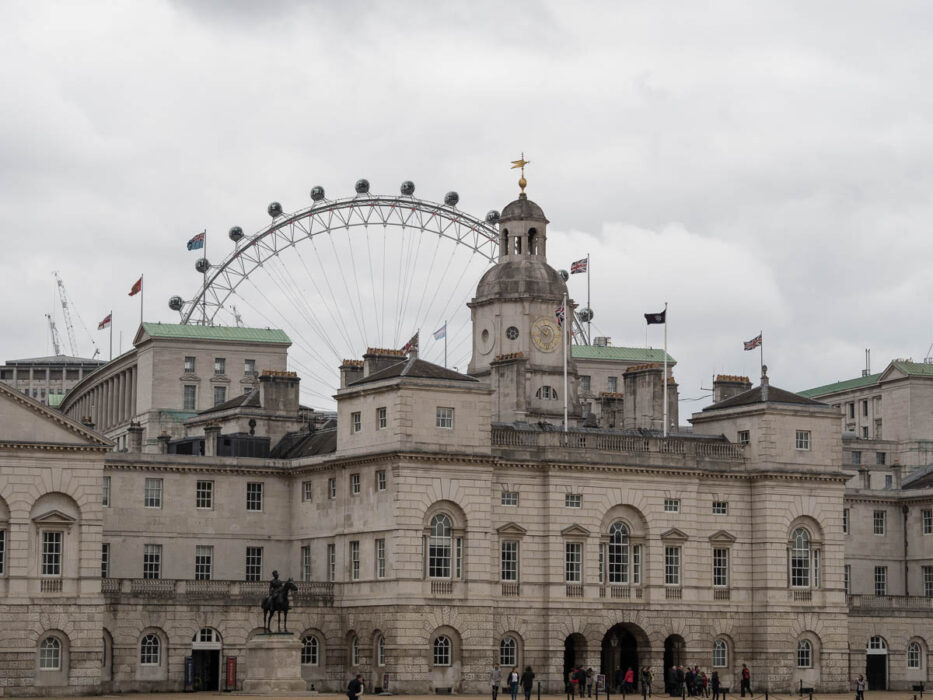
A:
(876, 664)
(206, 646)
(574, 654)
(674, 655)
(619, 653)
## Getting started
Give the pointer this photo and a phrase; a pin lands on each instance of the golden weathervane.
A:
(521, 163)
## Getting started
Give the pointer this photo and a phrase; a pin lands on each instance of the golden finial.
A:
(521, 163)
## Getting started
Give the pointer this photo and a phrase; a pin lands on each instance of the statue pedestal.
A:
(273, 664)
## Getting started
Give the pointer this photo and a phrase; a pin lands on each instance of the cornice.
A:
(53, 446)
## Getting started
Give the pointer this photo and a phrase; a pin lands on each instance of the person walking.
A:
(513, 682)
(714, 681)
(645, 681)
(590, 674)
(495, 680)
(704, 684)
(746, 680)
(628, 685)
(527, 681)
(355, 687)
(860, 687)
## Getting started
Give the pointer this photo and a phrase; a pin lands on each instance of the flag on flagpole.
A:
(137, 287)
(579, 266)
(441, 332)
(561, 315)
(753, 343)
(197, 241)
(106, 322)
(411, 344)
(660, 317)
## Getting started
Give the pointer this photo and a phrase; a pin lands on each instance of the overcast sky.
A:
(759, 166)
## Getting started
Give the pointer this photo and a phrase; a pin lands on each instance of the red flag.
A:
(106, 322)
(137, 288)
(411, 344)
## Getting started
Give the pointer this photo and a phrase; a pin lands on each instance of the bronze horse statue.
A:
(277, 602)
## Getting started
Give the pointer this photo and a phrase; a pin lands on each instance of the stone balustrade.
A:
(241, 592)
(888, 603)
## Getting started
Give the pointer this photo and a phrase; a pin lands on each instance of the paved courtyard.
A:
(873, 695)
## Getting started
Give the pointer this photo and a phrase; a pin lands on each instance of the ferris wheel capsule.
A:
(202, 265)
(564, 275)
(586, 314)
(274, 210)
(317, 193)
(236, 233)
(408, 188)
(492, 216)
(175, 303)
(451, 199)
(362, 186)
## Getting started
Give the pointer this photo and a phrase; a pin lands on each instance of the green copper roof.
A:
(911, 369)
(914, 369)
(55, 400)
(598, 352)
(231, 333)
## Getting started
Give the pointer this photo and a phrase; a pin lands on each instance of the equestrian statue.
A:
(277, 602)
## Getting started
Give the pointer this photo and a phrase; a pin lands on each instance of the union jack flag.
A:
(579, 266)
(411, 344)
(197, 241)
(753, 343)
(559, 313)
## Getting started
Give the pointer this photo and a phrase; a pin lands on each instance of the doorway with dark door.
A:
(206, 669)
(619, 654)
(674, 655)
(574, 656)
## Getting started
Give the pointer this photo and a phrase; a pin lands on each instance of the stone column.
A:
(134, 442)
(211, 436)
(163, 442)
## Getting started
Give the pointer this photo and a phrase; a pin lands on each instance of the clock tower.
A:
(517, 338)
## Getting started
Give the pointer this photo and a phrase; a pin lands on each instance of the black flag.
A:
(656, 318)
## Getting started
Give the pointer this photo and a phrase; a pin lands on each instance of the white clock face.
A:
(545, 334)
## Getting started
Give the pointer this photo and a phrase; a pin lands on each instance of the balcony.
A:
(871, 604)
(212, 591)
(442, 587)
(574, 590)
(722, 594)
(673, 593)
(510, 588)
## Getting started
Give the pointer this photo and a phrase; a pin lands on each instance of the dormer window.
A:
(546, 392)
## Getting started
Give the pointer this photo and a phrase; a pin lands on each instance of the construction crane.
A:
(56, 341)
(72, 341)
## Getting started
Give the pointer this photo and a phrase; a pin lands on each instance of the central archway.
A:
(623, 648)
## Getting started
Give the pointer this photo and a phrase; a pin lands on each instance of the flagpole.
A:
(564, 343)
(204, 287)
(111, 334)
(665, 369)
(761, 348)
(142, 293)
(589, 323)
(445, 344)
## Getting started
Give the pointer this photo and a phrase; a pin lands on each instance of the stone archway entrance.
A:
(674, 655)
(574, 655)
(621, 651)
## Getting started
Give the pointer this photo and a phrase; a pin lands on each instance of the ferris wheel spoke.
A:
(343, 278)
(372, 280)
(356, 282)
(333, 306)
(427, 278)
(303, 301)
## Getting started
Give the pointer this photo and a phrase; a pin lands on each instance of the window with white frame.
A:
(204, 495)
(380, 651)
(573, 562)
(573, 500)
(743, 437)
(881, 580)
(381, 480)
(189, 397)
(877, 643)
(249, 367)
(672, 566)
(612, 385)
(845, 521)
(254, 496)
(618, 553)
(720, 567)
(509, 498)
(927, 517)
(355, 560)
(355, 484)
(879, 522)
(152, 493)
(442, 651)
(309, 650)
(306, 563)
(508, 653)
(50, 654)
(381, 418)
(380, 557)
(913, 655)
(355, 651)
(800, 558)
(331, 562)
(150, 650)
(189, 364)
(440, 545)
(804, 654)
(220, 365)
(104, 559)
(332, 488)
(105, 493)
(306, 491)
(356, 422)
(152, 561)
(928, 581)
(671, 505)
(254, 563)
(445, 417)
(52, 541)
(720, 654)
(220, 395)
(803, 439)
(546, 392)
(203, 562)
(720, 507)
(636, 564)
(585, 383)
(509, 559)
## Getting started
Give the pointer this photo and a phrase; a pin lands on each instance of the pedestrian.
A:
(746, 680)
(645, 681)
(495, 680)
(572, 681)
(670, 680)
(715, 683)
(527, 681)
(704, 684)
(513, 682)
(355, 687)
(581, 680)
(679, 677)
(590, 674)
(860, 687)
(629, 683)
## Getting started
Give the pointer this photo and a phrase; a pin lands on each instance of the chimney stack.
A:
(725, 386)
(350, 371)
(134, 438)
(377, 359)
(278, 391)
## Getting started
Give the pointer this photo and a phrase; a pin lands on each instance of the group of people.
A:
(514, 681)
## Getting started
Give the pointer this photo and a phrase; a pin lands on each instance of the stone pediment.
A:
(575, 531)
(511, 529)
(27, 422)
(723, 537)
(674, 535)
(55, 518)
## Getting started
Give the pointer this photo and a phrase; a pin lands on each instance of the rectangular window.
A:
(856, 457)
(355, 484)
(879, 522)
(928, 581)
(877, 428)
(190, 402)
(803, 439)
(845, 521)
(306, 491)
(189, 364)
(203, 562)
(104, 558)
(458, 562)
(380, 551)
(510, 498)
(864, 407)
(355, 560)
(573, 500)
(152, 494)
(254, 563)
(601, 562)
(445, 417)
(864, 432)
(720, 507)
(381, 420)
(880, 457)
(585, 383)
(927, 516)
(817, 569)
(636, 564)
(381, 480)
(509, 568)
(847, 581)
(672, 566)
(356, 422)
(249, 368)
(332, 488)
(306, 563)
(220, 395)
(2, 552)
(851, 408)
(721, 567)
(888, 481)
(743, 437)
(613, 385)
(881, 580)
(52, 553)
(105, 493)
(220, 365)
(671, 505)
(204, 495)
(254, 496)
(152, 561)
(573, 562)
(331, 562)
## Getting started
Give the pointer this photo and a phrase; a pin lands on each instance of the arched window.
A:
(720, 654)
(505, 241)
(442, 651)
(439, 547)
(380, 651)
(800, 559)
(913, 655)
(618, 553)
(508, 652)
(150, 650)
(546, 392)
(804, 654)
(877, 644)
(50, 654)
(309, 650)
(355, 651)
(532, 241)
